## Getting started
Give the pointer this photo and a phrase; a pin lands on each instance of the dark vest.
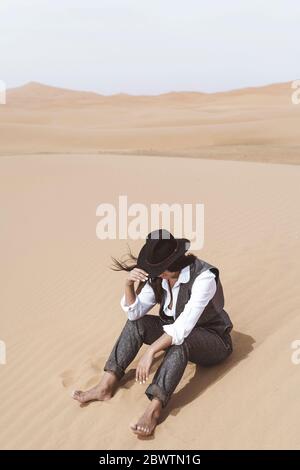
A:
(213, 316)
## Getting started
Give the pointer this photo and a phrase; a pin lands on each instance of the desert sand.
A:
(60, 311)
(64, 152)
(256, 124)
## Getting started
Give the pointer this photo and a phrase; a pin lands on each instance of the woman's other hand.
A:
(143, 367)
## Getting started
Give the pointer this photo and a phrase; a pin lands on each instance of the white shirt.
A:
(203, 289)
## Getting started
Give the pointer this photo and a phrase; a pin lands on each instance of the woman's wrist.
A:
(151, 350)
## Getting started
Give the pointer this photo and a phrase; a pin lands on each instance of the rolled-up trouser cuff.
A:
(155, 391)
(114, 368)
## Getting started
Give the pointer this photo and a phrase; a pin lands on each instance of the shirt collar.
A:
(183, 277)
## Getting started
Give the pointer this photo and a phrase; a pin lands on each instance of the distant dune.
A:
(259, 124)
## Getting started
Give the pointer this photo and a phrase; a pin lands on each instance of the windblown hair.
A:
(155, 282)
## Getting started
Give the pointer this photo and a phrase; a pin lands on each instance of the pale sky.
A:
(149, 46)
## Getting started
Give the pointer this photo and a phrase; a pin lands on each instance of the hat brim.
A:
(153, 271)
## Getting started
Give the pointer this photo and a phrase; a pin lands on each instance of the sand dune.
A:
(59, 302)
(259, 124)
(62, 153)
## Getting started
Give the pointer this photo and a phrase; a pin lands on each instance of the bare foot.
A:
(148, 421)
(104, 390)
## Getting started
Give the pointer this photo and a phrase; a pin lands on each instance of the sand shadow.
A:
(204, 377)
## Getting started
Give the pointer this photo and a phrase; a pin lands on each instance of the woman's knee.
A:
(138, 326)
(178, 351)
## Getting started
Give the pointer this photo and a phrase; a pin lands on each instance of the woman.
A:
(192, 324)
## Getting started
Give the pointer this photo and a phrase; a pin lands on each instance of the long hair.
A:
(155, 282)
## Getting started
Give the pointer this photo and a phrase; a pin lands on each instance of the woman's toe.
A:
(140, 429)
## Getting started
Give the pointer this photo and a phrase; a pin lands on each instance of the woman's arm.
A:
(144, 365)
(135, 274)
(129, 295)
(137, 305)
(163, 342)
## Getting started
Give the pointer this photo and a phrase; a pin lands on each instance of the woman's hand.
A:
(136, 274)
(144, 365)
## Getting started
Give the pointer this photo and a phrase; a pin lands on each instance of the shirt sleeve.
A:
(144, 301)
(203, 290)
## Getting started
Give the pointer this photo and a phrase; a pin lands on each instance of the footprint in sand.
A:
(67, 378)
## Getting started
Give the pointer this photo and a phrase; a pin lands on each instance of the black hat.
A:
(160, 251)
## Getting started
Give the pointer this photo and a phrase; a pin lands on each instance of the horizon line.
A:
(33, 82)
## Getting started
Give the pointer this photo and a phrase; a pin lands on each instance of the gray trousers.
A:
(201, 346)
